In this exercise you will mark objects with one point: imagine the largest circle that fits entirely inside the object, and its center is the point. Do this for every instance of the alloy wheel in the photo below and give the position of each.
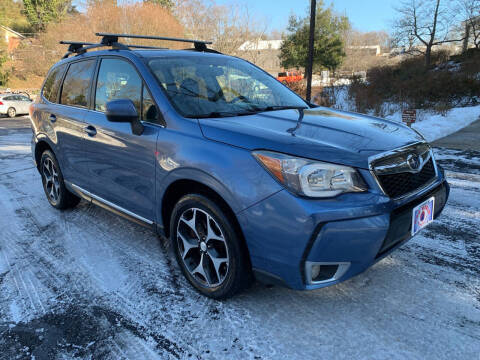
(202, 247)
(11, 112)
(52, 184)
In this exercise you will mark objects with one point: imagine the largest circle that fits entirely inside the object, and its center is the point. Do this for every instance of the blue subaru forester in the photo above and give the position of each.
(245, 178)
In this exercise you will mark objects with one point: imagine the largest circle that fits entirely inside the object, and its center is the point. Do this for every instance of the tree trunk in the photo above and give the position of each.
(428, 56)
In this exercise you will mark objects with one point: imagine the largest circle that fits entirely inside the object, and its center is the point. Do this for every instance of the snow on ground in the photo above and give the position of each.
(435, 126)
(86, 283)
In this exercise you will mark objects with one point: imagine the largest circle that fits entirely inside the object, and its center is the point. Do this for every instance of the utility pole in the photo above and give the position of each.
(309, 69)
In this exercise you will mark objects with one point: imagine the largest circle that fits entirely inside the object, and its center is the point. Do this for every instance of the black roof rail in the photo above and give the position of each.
(200, 45)
(109, 39)
(78, 47)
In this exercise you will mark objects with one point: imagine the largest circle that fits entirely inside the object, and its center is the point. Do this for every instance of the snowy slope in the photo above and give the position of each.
(434, 126)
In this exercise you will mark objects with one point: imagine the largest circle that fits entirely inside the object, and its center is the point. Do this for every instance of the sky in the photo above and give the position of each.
(365, 15)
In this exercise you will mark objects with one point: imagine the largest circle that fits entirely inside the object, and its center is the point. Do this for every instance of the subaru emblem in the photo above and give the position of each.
(413, 161)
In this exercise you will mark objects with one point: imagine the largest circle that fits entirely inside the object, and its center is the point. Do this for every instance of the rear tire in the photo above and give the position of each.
(53, 184)
(209, 251)
(11, 112)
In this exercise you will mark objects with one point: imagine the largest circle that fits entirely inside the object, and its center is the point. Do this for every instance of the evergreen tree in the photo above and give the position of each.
(11, 15)
(328, 45)
(164, 3)
(40, 12)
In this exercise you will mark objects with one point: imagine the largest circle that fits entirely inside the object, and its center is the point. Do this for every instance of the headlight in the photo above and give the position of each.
(310, 178)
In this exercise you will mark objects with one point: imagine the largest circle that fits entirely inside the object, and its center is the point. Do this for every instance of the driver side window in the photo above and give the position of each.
(118, 79)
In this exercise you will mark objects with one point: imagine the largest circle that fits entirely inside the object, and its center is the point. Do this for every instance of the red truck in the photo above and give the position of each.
(288, 77)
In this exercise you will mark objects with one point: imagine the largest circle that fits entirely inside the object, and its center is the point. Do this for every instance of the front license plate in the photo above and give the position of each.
(422, 215)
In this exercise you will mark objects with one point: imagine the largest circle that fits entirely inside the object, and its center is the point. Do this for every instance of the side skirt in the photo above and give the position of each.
(97, 200)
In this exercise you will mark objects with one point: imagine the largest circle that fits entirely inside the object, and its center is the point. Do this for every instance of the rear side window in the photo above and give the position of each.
(77, 83)
(52, 84)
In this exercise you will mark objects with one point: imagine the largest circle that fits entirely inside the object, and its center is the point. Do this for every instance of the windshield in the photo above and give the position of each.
(207, 86)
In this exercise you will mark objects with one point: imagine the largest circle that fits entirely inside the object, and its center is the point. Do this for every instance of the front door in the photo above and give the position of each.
(121, 165)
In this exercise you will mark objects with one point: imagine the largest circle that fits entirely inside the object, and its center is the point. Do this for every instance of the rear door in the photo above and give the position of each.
(15, 103)
(121, 165)
(9, 101)
(67, 118)
(25, 102)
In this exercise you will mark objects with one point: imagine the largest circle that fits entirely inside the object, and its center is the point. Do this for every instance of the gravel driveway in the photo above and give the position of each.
(88, 284)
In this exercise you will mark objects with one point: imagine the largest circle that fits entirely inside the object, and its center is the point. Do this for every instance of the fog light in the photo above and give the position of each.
(315, 271)
(318, 273)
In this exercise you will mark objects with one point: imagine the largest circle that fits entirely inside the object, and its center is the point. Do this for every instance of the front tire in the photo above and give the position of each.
(53, 184)
(209, 251)
(11, 112)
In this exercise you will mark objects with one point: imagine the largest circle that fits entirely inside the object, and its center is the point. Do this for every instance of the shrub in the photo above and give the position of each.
(4, 73)
(445, 85)
(300, 87)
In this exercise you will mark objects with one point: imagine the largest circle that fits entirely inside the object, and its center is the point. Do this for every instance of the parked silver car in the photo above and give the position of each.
(14, 104)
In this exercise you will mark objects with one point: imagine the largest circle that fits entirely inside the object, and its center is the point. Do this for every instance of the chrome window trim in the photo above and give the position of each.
(396, 151)
(112, 205)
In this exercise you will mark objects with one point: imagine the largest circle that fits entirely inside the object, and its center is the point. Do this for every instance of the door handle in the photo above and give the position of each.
(52, 118)
(90, 130)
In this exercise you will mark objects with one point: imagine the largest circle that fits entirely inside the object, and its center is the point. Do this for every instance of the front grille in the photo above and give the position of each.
(396, 185)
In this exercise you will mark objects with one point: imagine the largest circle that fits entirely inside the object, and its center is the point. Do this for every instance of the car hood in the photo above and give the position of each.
(319, 133)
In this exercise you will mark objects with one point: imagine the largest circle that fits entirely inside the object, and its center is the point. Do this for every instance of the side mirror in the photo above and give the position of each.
(123, 110)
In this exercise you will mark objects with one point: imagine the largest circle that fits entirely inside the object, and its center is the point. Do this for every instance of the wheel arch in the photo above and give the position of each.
(40, 147)
(180, 187)
(183, 186)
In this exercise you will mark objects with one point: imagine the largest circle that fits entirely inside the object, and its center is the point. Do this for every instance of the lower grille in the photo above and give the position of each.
(396, 185)
(401, 218)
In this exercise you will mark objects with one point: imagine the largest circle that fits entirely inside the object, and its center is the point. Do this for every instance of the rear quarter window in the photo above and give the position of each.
(52, 84)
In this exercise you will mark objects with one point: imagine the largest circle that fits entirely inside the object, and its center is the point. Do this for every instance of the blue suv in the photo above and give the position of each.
(245, 178)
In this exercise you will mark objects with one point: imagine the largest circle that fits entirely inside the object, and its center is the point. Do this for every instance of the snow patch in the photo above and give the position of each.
(435, 126)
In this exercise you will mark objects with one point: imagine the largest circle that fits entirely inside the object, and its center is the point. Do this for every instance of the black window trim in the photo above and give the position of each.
(89, 88)
(161, 120)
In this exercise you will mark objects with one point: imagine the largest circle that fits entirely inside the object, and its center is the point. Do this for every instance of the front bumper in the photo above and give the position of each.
(285, 233)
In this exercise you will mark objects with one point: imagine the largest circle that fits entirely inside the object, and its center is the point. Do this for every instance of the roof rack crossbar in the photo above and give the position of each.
(200, 45)
(109, 39)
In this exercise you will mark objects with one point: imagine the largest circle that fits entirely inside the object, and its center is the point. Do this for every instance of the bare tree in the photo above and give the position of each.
(228, 26)
(423, 24)
(470, 11)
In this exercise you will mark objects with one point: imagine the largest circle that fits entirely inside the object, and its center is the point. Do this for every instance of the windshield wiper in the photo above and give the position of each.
(281, 107)
(218, 114)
